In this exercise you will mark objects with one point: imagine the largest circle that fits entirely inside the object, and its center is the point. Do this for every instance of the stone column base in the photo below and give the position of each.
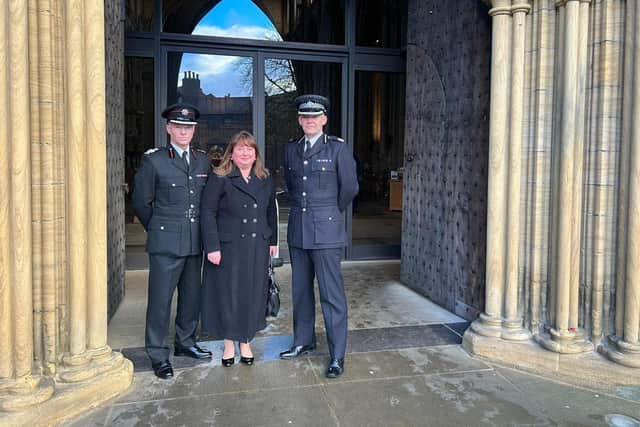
(589, 370)
(621, 352)
(70, 400)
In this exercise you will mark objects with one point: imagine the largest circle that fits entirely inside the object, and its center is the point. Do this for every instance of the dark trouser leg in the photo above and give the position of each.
(164, 274)
(188, 311)
(332, 298)
(303, 298)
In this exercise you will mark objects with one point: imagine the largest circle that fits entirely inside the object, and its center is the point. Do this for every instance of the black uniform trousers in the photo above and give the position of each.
(166, 272)
(325, 265)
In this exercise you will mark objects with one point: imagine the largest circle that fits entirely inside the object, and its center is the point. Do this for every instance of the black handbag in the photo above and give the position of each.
(273, 296)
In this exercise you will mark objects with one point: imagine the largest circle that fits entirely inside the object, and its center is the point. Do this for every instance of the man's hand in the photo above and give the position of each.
(214, 257)
(273, 250)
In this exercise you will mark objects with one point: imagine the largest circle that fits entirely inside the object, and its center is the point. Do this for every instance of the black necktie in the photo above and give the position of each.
(185, 159)
(307, 145)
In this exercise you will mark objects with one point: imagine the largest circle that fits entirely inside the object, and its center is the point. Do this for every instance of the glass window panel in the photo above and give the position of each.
(311, 21)
(138, 121)
(221, 87)
(379, 153)
(284, 80)
(381, 23)
(139, 15)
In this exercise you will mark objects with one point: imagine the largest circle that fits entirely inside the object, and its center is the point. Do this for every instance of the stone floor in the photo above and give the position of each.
(404, 367)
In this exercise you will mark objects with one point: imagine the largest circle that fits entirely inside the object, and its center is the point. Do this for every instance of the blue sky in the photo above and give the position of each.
(230, 18)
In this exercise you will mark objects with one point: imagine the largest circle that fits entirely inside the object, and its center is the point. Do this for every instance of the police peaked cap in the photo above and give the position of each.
(312, 105)
(182, 114)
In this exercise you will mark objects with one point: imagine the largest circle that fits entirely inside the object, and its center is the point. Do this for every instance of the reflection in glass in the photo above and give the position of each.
(221, 87)
(310, 21)
(386, 29)
(378, 150)
(138, 119)
(139, 15)
(284, 81)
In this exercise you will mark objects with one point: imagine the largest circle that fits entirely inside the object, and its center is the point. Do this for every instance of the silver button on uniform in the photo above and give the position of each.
(253, 235)
(244, 220)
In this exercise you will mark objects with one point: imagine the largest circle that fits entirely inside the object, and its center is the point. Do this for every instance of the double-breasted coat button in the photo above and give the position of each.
(192, 206)
(253, 235)
(255, 205)
(193, 220)
(304, 194)
(244, 206)
(304, 209)
(191, 191)
(254, 220)
(244, 220)
(243, 235)
(190, 177)
(162, 227)
(304, 178)
(306, 162)
(323, 169)
(173, 185)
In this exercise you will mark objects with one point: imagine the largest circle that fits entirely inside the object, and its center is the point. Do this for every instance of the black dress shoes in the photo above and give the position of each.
(195, 352)
(228, 362)
(335, 368)
(246, 360)
(297, 350)
(163, 370)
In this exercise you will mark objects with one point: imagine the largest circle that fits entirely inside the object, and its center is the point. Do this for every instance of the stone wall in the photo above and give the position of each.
(114, 46)
(446, 152)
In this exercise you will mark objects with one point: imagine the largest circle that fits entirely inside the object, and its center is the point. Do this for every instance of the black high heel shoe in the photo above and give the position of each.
(246, 360)
(228, 362)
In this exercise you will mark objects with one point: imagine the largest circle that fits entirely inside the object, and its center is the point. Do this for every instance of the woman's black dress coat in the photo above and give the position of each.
(239, 219)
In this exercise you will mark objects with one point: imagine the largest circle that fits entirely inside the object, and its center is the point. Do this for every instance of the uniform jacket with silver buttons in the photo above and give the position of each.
(233, 210)
(321, 184)
(166, 199)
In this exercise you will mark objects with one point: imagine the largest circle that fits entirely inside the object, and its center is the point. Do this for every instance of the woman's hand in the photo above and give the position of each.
(214, 257)
(273, 250)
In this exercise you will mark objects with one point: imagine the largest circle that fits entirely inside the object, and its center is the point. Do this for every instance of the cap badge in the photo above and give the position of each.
(184, 112)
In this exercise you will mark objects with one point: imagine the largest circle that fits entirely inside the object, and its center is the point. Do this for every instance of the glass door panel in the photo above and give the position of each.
(221, 87)
(139, 84)
(379, 151)
(284, 80)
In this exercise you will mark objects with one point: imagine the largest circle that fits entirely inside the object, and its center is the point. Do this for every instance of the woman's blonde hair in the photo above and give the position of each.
(226, 164)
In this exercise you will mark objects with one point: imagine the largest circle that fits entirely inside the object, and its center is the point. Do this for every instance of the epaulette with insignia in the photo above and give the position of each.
(296, 139)
(335, 138)
(151, 150)
(199, 150)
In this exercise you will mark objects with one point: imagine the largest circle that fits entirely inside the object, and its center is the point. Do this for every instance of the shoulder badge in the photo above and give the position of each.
(335, 138)
(296, 139)
(151, 150)
(199, 150)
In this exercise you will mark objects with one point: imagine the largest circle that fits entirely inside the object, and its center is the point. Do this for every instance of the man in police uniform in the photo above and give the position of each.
(321, 178)
(166, 199)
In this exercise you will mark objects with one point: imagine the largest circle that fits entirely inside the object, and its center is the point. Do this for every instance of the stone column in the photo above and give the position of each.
(502, 317)
(20, 387)
(565, 335)
(513, 322)
(52, 84)
(624, 346)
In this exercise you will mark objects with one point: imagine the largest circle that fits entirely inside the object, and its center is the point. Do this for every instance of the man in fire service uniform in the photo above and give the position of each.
(166, 199)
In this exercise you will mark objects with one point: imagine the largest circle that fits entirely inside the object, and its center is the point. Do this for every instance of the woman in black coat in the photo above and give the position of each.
(239, 234)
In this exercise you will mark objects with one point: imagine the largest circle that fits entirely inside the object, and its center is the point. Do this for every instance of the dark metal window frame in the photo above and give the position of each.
(352, 58)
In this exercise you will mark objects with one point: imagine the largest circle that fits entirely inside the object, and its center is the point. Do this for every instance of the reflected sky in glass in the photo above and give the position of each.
(231, 75)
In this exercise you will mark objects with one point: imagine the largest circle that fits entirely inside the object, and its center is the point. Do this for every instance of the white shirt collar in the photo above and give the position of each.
(312, 140)
(179, 150)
